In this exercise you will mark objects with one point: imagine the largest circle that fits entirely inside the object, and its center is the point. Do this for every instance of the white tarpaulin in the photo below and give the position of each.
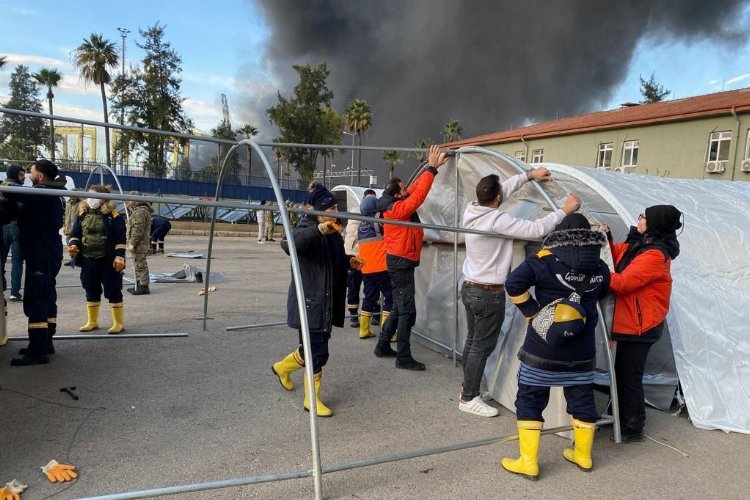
(711, 294)
(705, 343)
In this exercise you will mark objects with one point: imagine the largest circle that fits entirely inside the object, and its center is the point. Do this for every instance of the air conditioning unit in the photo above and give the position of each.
(714, 167)
(745, 165)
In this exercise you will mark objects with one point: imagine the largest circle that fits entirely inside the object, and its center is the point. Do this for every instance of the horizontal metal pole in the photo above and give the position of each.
(281, 476)
(211, 485)
(191, 137)
(254, 325)
(236, 204)
(84, 336)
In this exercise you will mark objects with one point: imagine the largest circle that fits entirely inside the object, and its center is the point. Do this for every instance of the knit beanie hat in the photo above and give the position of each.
(322, 199)
(663, 218)
(12, 173)
(573, 221)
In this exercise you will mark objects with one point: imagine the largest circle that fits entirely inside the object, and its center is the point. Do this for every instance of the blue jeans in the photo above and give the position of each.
(10, 243)
(485, 311)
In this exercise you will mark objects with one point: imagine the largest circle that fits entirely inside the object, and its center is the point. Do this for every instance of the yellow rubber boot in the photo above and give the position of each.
(92, 317)
(583, 433)
(4, 335)
(284, 368)
(323, 410)
(526, 465)
(365, 318)
(384, 316)
(117, 318)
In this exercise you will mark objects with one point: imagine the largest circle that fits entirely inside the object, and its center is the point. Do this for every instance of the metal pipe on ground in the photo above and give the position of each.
(108, 336)
(281, 476)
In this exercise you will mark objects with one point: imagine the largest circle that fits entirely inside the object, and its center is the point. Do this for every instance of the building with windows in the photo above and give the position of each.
(703, 137)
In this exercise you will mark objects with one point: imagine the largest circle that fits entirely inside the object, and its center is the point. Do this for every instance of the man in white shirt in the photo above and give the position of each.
(487, 264)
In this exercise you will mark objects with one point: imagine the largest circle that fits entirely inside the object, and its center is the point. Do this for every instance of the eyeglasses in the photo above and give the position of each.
(641, 217)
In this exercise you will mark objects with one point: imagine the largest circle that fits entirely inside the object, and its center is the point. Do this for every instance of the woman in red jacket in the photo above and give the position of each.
(642, 283)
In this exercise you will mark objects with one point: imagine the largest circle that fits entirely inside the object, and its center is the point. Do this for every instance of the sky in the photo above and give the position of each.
(223, 45)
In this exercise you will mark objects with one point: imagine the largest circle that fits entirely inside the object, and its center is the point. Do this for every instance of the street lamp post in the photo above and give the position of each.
(124, 34)
(352, 163)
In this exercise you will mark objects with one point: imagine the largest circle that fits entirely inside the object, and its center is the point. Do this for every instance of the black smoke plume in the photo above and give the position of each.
(491, 64)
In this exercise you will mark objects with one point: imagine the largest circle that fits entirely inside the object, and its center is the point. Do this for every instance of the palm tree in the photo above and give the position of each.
(391, 158)
(358, 118)
(95, 58)
(452, 131)
(423, 143)
(51, 79)
(249, 131)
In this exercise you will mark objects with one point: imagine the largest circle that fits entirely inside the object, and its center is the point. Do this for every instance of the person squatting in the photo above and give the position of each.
(568, 278)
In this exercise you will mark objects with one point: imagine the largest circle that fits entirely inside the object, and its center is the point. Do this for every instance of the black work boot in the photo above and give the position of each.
(161, 247)
(152, 248)
(353, 317)
(409, 364)
(383, 348)
(404, 359)
(139, 290)
(28, 360)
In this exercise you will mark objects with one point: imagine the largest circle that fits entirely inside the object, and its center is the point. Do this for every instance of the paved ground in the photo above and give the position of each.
(160, 412)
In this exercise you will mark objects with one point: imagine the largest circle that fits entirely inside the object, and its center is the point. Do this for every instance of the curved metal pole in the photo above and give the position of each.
(207, 277)
(317, 472)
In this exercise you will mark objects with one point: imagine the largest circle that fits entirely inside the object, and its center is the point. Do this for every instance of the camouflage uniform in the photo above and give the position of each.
(139, 233)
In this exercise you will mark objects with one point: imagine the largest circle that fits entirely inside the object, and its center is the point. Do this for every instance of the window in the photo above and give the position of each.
(604, 158)
(630, 153)
(537, 156)
(718, 146)
(520, 155)
(747, 145)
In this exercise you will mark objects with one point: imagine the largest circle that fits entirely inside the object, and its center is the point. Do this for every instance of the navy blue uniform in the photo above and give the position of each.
(98, 273)
(39, 222)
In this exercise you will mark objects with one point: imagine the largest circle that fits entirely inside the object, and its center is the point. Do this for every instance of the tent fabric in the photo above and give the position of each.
(710, 297)
(188, 274)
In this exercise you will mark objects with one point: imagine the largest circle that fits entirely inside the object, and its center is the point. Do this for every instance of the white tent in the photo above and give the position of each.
(705, 346)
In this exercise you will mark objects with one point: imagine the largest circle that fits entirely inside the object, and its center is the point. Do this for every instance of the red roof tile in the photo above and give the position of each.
(644, 114)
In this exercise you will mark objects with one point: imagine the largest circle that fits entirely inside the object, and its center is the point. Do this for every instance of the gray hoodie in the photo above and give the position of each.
(488, 259)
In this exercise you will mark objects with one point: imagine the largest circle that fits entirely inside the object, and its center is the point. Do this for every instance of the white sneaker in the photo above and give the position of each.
(261, 242)
(477, 407)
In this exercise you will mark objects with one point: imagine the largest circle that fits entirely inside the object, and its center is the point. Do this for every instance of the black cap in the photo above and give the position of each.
(46, 167)
(663, 218)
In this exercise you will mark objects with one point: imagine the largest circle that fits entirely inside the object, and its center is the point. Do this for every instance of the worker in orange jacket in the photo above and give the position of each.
(403, 248)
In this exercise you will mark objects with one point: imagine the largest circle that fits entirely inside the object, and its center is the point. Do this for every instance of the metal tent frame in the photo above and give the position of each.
(317, 469)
